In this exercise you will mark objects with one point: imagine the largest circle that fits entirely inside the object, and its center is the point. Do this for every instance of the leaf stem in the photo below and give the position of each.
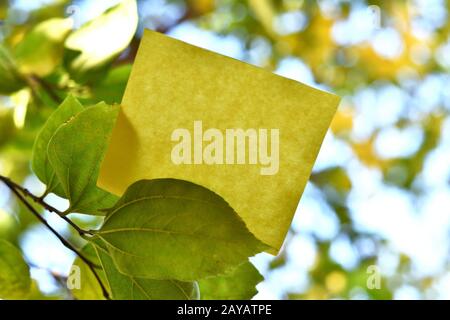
(13, 187)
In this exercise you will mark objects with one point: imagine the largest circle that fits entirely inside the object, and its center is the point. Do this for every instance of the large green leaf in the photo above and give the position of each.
(239, 284)
(174, 229)
(15, 278)
(104, 37)
(124, 287)
(76, 151)
(40, 163)
(41, 49)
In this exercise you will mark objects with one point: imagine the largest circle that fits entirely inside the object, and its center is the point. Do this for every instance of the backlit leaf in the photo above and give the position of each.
(76, 151)
(104, 37)
(41, 50)
(40, 163)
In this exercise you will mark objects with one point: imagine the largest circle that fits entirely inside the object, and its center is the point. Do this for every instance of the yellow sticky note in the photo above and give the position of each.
(241, 131)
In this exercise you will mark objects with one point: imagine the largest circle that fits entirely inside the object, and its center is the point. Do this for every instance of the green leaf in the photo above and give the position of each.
(7, 126)
(15, 278)
(124, 287)
(89, 288)
(174, 229)
(239, 284)
(76, 151)
(111, 88)
(40, 163)
(10, 80)
(40, 51)
(93, 40)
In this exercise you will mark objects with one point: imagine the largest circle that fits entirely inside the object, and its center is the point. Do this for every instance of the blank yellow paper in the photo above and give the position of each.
(174, 85)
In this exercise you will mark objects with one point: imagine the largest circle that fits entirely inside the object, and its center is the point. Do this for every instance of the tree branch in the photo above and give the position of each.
(12, 186)
(45, 205)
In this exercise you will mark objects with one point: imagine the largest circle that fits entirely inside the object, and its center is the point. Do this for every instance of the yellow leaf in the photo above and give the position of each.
(342, 121)
(176, 88)
(366, 153)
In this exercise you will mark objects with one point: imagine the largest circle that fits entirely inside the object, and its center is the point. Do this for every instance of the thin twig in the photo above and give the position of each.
(45, 205)
(59, 278)
(68, 245)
